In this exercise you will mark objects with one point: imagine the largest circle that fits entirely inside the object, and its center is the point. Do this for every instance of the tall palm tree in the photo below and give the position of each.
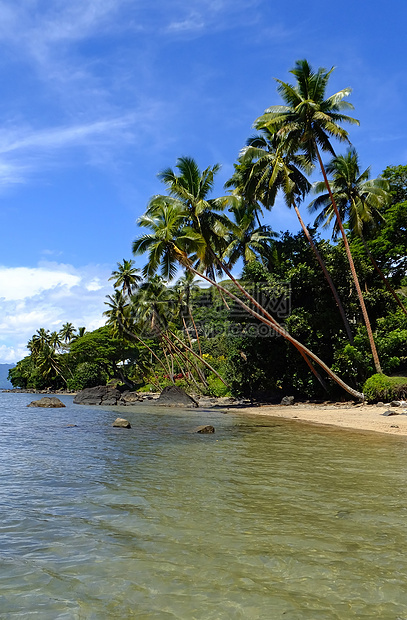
(126, 277)
(170, 243)
(264, 169)
(306, 124)
(359, 199)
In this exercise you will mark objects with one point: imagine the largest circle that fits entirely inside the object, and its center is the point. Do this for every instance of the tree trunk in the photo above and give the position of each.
(326, 274)
(280, 330)
(352, 267)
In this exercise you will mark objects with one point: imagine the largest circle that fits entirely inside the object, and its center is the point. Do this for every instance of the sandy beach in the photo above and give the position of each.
(351, 416)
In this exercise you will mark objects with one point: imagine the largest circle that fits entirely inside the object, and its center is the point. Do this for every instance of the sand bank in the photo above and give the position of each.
(351, 416)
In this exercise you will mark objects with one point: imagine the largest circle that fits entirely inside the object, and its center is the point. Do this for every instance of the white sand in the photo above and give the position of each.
(352, 416)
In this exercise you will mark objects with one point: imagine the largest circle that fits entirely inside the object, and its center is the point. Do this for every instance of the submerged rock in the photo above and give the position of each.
(47, 402)
(204, 429)
(121, 423)
(173, 396)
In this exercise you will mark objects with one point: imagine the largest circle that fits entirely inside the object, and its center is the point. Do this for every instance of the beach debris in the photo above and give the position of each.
(207, 428)
(287, 400)
(173, 396)
(121, 423)
(394, 426)
(48, 402)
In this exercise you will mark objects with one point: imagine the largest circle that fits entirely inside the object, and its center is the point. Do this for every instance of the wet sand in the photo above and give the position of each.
(351, 416)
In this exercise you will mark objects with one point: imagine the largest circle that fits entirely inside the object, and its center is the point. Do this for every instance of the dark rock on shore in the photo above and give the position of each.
(131, 397)
(287, 400)
(173, 396)
(99, 395)
(47, 402)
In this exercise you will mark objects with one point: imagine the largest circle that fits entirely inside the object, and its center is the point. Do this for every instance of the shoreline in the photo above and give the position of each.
(340, 415)
(359, 417)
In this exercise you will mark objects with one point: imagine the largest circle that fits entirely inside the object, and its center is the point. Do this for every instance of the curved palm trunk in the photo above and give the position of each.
(191, 350)
(383, 277)
(199, 373)
(138, 339)
(326, 274)
(352, 267)
(189, 364)
(272, 320)
(280, 330)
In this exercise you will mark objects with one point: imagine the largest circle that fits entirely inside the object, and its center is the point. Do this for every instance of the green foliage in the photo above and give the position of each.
(383, 388)
(216, 387)
(87, 374)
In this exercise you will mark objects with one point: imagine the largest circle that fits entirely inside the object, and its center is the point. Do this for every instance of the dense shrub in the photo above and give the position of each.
(383, 388)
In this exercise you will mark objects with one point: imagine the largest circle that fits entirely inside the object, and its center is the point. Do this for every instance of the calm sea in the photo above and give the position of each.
(265, 519)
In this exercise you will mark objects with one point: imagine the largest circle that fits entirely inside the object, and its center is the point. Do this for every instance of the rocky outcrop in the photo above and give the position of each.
(99, 395)
(121, 423)
(173, 396)
(131, 397)
(49, 402)
(287, 400)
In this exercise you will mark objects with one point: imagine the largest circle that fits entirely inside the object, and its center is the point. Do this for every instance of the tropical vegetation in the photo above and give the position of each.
(307, 315)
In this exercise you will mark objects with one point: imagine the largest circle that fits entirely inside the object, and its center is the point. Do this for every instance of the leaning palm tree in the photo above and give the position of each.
(360, 201)
(263, 169)
(171, 242)
(126, 277)
(306, 124)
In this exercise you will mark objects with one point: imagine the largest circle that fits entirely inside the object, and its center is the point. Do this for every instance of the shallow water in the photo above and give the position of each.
(265, 519)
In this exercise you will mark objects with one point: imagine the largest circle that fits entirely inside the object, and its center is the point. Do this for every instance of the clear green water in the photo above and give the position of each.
(265, 519)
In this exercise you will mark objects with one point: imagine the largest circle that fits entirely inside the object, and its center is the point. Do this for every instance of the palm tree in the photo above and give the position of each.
(264, 169)
(67, 332)
(359, 201)
(246, 241)
(126, 277)
(55, 340)
(170, 242)
(41, 338)
(306, 124)
(121, 320)
(188, 190)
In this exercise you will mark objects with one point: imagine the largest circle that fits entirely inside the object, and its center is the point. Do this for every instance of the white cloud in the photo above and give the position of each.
(23, 282)
(48, 296)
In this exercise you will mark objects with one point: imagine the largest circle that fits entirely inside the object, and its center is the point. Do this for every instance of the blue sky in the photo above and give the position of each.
(99, 95)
